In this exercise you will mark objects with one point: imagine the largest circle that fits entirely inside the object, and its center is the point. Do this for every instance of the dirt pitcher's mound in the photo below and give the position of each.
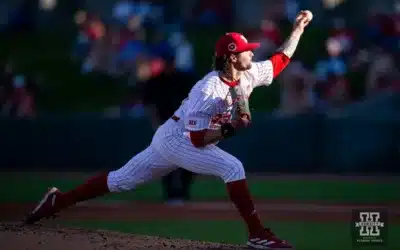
(20, 237)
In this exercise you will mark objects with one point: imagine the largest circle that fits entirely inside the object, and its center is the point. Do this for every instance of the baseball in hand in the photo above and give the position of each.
(308, 14)
(303, 18)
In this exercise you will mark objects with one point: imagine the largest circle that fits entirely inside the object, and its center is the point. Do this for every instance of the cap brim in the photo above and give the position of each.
(251, 46)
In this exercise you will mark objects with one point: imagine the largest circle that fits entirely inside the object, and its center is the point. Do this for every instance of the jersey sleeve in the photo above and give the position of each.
(264, 72)
(199, 112)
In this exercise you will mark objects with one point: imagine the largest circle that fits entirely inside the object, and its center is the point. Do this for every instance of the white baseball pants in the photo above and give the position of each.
(170, 148)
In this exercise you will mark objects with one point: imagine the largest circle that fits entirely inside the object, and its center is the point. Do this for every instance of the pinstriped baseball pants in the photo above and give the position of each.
(170, 148)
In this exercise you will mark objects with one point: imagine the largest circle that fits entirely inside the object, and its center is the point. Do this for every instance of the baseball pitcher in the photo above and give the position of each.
(215, 109)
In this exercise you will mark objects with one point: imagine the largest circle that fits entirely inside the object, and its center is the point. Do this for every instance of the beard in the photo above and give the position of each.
(241, 67)
(249, 66)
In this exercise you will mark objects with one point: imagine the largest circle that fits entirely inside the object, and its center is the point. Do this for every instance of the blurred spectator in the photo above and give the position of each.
(134, 44)
(126, 48)
(148, 68)
(184, 54)
(338, 93)
(330, 73)
(123, 10)
(130, 46)
(95, 31)
(382, 74)
(292, 9)
(331, 4)
(360, 60)
(83, 39)
(134, 24)
(270, 38)
(47, 5)
(343, 34)
(153, 12)
(21, 103)
(157, 66)
(334, 64)
(158, 44)
(144, 12)
(211, 12)
(162, 95)
(297, 90)
(383, 30)
(18, 93)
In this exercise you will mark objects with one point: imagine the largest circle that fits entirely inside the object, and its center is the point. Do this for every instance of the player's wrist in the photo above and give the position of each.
(227, 130)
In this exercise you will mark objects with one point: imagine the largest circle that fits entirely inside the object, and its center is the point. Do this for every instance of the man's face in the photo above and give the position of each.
(242, 61)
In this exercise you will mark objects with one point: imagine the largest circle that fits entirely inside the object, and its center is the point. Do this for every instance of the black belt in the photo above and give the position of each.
(175, 118)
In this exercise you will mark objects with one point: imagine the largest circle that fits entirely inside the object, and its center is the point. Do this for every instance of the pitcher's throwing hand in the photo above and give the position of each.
(302, 20)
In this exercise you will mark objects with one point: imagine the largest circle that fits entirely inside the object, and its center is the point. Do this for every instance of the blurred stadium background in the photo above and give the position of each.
(73, 74)
(71, 99)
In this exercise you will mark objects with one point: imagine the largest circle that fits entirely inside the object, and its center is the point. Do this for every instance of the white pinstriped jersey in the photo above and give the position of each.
(209, 100)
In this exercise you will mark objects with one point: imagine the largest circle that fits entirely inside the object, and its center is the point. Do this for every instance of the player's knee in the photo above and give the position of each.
(118, 183)
(234, 171)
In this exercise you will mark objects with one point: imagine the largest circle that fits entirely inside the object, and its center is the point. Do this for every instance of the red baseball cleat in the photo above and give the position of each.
(267, 241)
(46, 207)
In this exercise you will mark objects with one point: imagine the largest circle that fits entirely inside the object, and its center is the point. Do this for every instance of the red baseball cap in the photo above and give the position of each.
(233, 43)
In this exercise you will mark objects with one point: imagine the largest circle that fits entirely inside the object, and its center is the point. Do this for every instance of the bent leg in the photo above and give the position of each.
(212, 160)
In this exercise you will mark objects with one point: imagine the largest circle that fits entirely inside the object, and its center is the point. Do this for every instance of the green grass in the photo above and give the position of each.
(303, 235)
(29, 187)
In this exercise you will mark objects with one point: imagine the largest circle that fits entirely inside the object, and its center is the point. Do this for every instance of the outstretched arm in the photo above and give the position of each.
(264, 72)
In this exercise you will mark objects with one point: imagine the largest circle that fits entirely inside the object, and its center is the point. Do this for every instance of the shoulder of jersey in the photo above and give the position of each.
(249, 74)
(209, 83)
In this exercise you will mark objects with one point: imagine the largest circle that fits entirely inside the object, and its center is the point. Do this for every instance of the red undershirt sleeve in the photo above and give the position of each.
(279, 62)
